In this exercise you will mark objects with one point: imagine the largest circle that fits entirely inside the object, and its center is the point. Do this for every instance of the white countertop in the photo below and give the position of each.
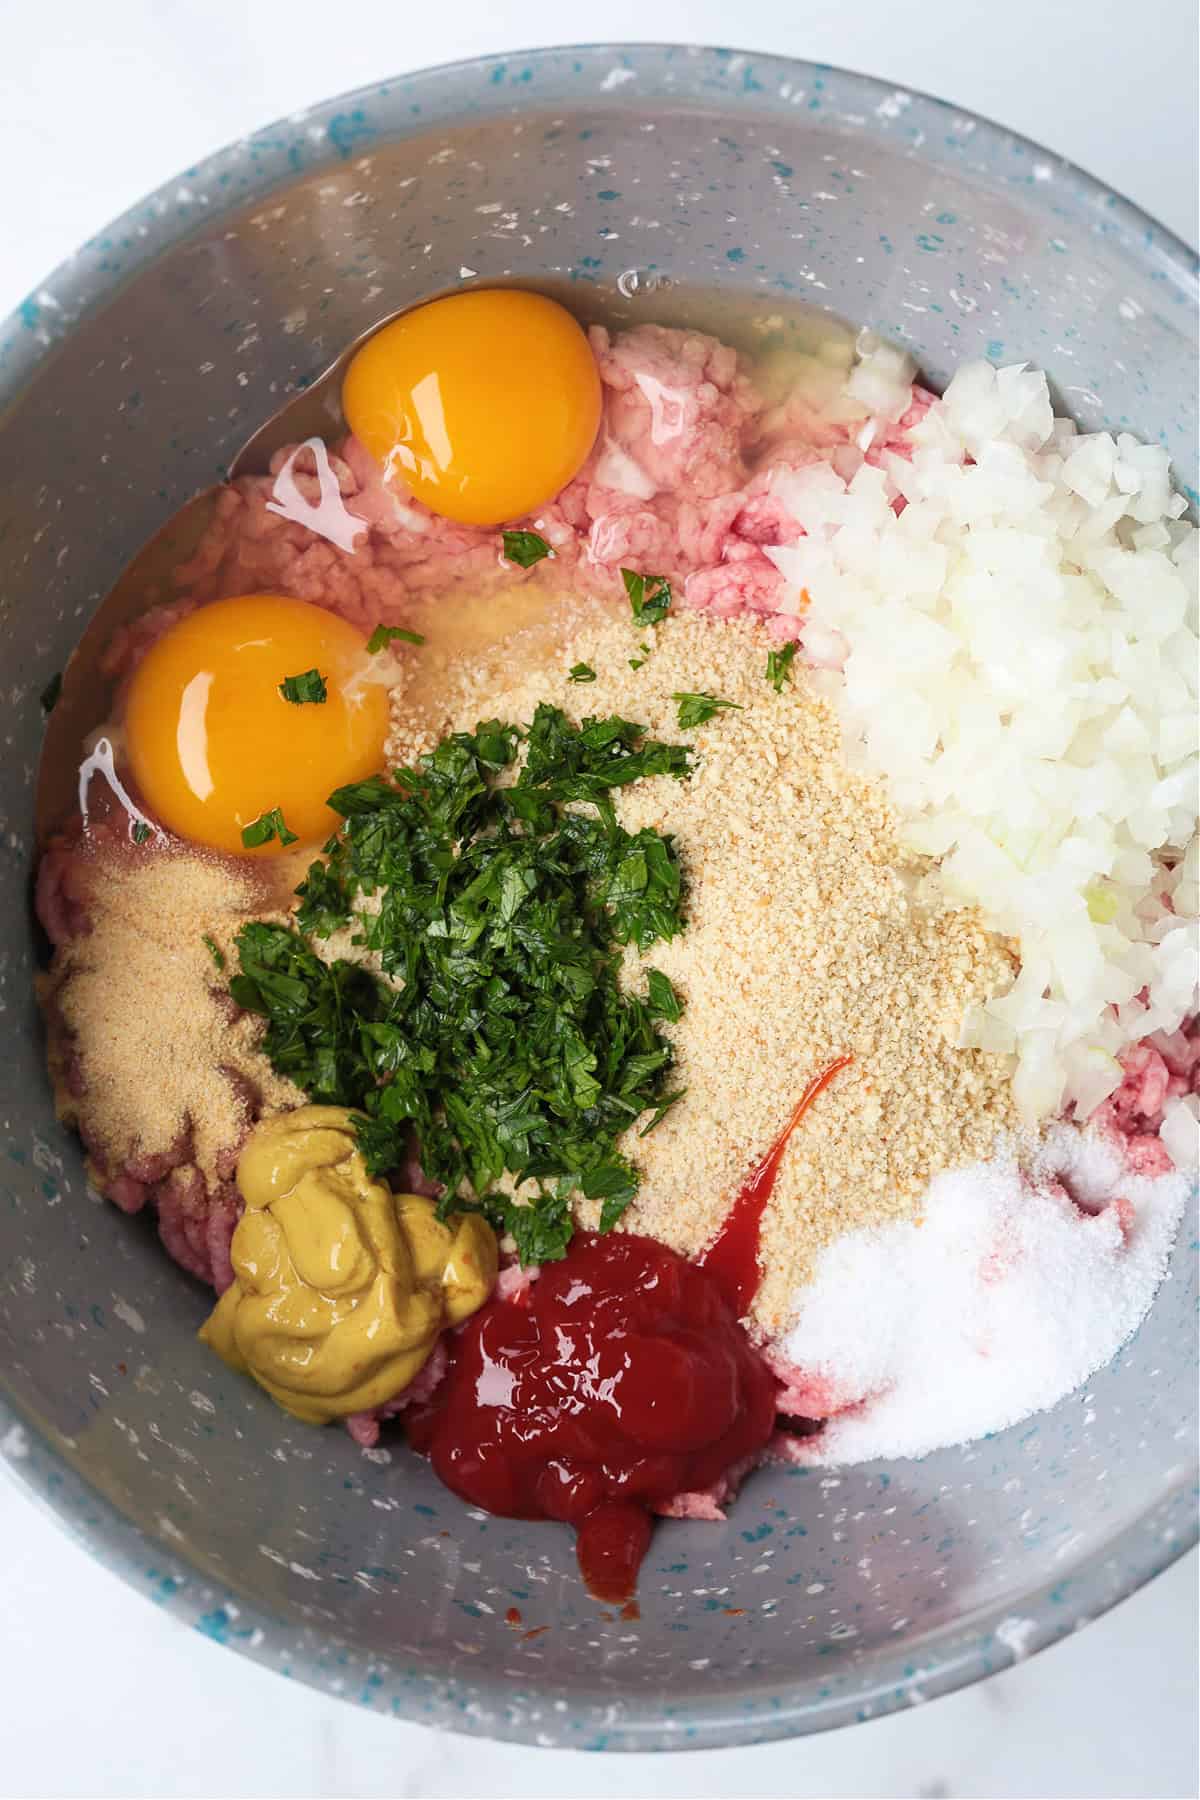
(99, 1693)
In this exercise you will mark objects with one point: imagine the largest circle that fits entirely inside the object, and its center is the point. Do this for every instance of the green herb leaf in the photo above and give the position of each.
(383, 635)
(498, 1037)
(306, 689)
(51, 691)
(324, 906)
(542, 1230)
(649, 596)
(661, 1110)
(525, 548)
(140, 832)
(267, 826)
(580, 672)
(779, 665)
(214, 950)
(664, 1001)
(698, 709)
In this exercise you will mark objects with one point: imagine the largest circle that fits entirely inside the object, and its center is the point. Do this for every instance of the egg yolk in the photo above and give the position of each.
(486, 403)
(214, 744)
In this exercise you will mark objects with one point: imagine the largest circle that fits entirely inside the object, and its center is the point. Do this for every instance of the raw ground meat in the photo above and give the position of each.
(709, 1503)
(679, 485)
(196, 1224)
(514, 1282)
(60, 891)
(1159, 1069)
(364, 1426)
(196, 1219)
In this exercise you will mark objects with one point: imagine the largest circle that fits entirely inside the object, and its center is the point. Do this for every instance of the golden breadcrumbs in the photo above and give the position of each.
(804, 942)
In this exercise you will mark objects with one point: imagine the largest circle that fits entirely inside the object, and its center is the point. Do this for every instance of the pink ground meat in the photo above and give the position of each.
(679, 485)
(59, 897)
(681, 405)
(364, 1426)
(1157, 1070)
(709, 1503)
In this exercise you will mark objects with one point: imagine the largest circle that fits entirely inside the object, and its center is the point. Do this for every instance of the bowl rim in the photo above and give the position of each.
(945, 1658)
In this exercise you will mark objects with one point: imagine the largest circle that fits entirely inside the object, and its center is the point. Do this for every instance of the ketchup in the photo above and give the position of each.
(619, 1380)
(733, 1254)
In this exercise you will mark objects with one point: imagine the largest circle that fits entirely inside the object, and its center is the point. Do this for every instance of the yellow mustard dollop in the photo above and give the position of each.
(340, 1286)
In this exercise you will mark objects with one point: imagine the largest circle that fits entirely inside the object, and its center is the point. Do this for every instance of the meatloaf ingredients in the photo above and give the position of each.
(341, 1288)
(619, 1381)
(805, 941)
(1008, 1292)
(160, 1075)
(498, 909)
(680, 483)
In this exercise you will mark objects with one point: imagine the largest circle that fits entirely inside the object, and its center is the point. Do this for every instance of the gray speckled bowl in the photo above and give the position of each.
(125, 383)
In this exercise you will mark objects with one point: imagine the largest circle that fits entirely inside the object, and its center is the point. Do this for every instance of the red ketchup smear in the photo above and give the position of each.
(733, 1254)
(622, 1379)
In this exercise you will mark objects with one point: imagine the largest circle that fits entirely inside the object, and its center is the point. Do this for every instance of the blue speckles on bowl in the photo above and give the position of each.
(828, 1597)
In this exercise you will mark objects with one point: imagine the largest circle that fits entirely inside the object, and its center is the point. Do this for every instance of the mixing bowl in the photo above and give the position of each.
(128, 381)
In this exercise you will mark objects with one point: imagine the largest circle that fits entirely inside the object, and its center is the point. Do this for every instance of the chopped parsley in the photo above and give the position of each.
(636, 662)
(779, 665)
(698, 709)
(307, 689)
(140, 832)
(543, 1231)
(581, 671)
(214, 950)
(525, 548)
(267, 826)
(661, 1110)
(51, 691)
(664, 1001)
(503, 1040)
(649, 596)
(383, 635)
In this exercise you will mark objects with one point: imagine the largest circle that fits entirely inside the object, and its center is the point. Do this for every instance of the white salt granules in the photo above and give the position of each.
(1006, 1296)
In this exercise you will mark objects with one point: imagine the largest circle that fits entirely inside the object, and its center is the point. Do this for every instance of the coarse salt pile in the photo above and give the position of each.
(1006, 1295)
(804, 942)
(1013, 614)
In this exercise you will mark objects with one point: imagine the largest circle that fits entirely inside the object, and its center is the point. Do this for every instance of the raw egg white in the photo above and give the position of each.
(486, 403)
(213, 744)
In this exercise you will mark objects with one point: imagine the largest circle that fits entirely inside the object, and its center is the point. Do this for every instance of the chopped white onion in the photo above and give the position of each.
(1013, 609)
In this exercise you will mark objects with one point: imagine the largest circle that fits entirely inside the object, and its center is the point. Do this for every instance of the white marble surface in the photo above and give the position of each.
(101, 1694)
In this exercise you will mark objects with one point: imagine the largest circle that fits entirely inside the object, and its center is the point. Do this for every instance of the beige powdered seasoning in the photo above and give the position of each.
(804, 942)
(161, 1049)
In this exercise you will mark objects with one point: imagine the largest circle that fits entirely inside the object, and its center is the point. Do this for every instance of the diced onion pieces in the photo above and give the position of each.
(1012, 611)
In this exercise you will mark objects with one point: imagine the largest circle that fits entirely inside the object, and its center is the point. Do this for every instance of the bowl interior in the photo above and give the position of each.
(128, 383)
